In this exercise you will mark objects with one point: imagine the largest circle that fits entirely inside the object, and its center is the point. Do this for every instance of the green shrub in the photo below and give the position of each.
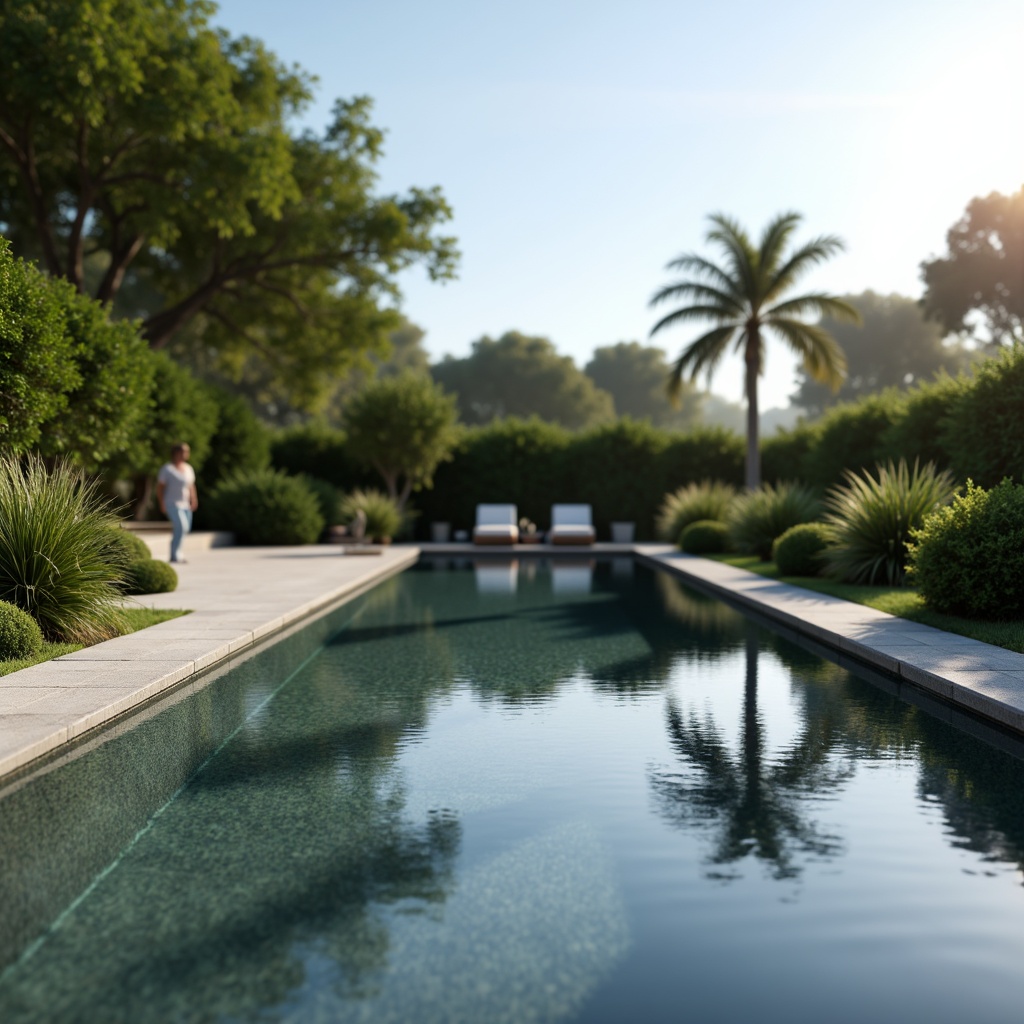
(968, 557)
(383, 520)
(55, 551)
(317, 450)
(799, 551)
(922, 431)
(705, 500)
(705, 537)
(148, 576)
(125, 547)
(850, 437)
(783, 454)
(240, 442)
(758, 517)
(984, 434)
(328, 498)
(266, 507)
(871, 519)
(20, 635)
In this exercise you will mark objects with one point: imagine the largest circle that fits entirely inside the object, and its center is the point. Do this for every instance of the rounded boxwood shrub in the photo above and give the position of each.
(126, 547)
(798, 552)
(758, 517)
(148, 576)
(20, 635)
(968, 557)
(704, 537)
(266, 507)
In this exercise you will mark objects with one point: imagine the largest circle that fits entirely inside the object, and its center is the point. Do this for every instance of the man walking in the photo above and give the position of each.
(178, 497)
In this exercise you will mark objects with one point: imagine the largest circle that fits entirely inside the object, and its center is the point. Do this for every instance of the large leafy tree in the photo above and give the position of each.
(146, 157)
(746, 301)
(520, 375)
(634, 375)
(897, 347)
(977, 287)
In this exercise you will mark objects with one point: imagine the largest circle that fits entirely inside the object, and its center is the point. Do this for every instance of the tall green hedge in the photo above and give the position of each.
(622, 469)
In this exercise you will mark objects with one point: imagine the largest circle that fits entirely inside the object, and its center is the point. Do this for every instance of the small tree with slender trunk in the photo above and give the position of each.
(404, 427)
(745, 301)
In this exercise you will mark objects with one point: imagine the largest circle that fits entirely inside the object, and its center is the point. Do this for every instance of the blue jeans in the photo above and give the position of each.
(181, 523)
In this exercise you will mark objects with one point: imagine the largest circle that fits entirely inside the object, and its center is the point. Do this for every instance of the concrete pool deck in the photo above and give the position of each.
(239, 596)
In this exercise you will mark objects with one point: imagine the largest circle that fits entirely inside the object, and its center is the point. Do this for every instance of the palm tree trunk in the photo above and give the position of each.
(753, 361)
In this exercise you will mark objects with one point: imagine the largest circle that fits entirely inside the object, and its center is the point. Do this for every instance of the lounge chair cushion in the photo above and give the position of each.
(496, 524)
(571, 524)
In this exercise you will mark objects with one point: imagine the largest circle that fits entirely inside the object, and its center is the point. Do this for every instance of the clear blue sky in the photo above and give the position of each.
(583, 144)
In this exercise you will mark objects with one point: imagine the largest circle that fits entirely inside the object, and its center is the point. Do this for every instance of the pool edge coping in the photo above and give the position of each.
(929, 659)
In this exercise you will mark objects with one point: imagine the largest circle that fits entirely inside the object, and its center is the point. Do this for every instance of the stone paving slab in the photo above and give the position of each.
(980, 677)
(236, 596)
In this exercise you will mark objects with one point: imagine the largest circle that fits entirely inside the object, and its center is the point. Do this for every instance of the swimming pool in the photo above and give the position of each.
(522, 792)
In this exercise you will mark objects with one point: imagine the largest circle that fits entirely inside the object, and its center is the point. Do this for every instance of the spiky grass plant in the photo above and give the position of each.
(56, 558)
(708, 499)
(871, 518)
(758, 517)
(383, 518)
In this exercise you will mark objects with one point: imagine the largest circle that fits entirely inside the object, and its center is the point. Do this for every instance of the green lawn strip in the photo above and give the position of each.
(905, 602)
(135, 619)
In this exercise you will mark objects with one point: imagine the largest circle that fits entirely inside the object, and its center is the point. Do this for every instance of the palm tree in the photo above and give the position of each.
(744, 299)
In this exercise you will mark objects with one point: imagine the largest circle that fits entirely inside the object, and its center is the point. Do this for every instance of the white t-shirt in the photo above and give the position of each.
(178, 484)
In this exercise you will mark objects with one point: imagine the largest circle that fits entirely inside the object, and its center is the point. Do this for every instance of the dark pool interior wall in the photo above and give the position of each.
(348, 790)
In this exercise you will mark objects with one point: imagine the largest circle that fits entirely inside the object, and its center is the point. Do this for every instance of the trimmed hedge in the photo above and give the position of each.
(799, 551)
(148, 576)
(985, 431)
(622, 469)
(968, 557)
(20, 635)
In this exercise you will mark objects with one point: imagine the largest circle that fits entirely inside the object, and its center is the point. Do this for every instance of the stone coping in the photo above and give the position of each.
(237, 597)
(974, 676)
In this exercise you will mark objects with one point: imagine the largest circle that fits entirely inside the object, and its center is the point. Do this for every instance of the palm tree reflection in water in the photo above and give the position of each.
(756, 806)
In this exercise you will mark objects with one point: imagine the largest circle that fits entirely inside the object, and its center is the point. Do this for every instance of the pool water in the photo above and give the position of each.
(523, 792)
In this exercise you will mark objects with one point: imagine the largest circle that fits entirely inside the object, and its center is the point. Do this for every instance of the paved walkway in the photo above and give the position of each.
(237, 596)
(985, 679)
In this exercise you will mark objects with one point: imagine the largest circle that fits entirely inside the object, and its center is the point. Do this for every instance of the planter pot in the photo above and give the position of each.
(622, 533)
(440, 533)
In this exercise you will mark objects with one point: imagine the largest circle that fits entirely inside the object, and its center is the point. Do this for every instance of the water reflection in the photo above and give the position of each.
(753, 806)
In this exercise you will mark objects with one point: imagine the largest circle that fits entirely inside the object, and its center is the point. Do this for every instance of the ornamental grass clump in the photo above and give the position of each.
(383, 518)
(968, 557)
(707, 500)
(758, 517)
(56, 559)
(872, 517)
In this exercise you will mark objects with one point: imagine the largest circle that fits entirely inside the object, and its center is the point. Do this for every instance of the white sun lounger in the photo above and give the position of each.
(571, 524)
(496, 524)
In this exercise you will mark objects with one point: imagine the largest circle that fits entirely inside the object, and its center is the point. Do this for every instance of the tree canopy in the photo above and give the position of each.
(746, 301)
(520, 375)
(977, 287)
(147, 158)
(404, 427)
(896, 347)
(636, 376)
